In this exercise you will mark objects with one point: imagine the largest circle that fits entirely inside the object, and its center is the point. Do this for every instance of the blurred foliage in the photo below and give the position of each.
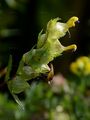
(43, 102)
(7, 108)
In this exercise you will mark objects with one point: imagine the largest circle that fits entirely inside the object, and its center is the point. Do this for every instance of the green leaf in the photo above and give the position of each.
(17, 85)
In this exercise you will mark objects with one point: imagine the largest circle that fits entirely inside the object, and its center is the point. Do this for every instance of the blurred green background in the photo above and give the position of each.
(20, 23)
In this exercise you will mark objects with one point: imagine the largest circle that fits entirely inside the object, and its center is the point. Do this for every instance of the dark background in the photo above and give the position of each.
(21, 23)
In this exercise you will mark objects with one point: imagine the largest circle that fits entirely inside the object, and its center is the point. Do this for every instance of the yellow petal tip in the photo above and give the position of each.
(71, 21)
(70, 47)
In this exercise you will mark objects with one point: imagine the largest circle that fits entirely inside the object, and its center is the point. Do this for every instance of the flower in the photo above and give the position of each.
(56, 30)
(81, 66)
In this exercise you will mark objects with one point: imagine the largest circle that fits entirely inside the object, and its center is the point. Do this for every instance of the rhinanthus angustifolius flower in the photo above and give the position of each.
(48, 45)
(81, 66)
(35, 62)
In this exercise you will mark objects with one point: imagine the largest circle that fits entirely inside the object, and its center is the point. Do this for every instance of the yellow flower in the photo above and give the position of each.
(81, 66)
(85, 59)
(87, 69)
(73, 68)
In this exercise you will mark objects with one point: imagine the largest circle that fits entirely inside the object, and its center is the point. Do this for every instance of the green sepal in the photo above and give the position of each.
(17, 85)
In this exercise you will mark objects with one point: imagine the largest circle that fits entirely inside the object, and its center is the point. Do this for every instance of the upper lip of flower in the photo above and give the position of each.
(71, 21)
